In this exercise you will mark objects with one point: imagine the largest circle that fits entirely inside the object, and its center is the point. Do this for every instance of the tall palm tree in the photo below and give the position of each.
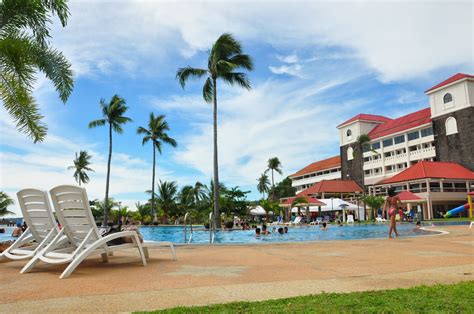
(274, 164)
(25, 50)
(5, 201)
(167, 191)
(81, 165)
(113, 113)
(225, 58)
(157, 133)
(263, 185)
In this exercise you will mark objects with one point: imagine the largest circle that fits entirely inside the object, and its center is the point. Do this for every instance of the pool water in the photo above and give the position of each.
(7, 235)
(295, 234)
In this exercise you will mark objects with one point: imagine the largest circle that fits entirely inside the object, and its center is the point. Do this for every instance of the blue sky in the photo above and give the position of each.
(316, 64)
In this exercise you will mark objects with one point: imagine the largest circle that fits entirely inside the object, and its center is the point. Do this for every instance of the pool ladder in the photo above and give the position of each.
(212, 228)
(186, 229)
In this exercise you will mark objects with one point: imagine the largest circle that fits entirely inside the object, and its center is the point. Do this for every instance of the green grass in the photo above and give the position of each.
(456, 298)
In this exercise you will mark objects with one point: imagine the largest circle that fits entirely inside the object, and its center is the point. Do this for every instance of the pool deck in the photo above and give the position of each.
(225, 273)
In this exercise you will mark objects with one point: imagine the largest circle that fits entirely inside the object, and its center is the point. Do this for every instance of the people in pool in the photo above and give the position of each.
(417, 226)
(324, 226)
(391, 202)
(264, 230)
(285, 229)
(257, 232)
(280, 230)
(17, 231)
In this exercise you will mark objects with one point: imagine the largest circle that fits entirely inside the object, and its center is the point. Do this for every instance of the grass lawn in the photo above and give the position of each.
(456, 298)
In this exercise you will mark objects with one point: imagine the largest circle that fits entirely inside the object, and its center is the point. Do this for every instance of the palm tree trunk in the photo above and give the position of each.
(153, 212)
(106, 209)
(217, 220)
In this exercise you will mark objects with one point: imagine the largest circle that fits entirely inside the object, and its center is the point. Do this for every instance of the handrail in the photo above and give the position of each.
(212, 228)
(186, 229)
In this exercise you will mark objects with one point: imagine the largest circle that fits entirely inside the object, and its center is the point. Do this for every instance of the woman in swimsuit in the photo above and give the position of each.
(391, 202)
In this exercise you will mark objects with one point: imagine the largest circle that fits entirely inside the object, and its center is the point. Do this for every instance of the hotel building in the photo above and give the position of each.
(442, 132)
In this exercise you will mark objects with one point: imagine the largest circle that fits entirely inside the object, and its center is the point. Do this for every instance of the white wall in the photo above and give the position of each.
(463, 97)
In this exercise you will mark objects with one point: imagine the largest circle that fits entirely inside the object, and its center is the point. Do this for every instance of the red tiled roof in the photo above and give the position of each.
(431, 169)
(406, 122)
(366, 117)
(408, 196)
(332, 186)
(324, 164)
(450, 80)
(311, 200)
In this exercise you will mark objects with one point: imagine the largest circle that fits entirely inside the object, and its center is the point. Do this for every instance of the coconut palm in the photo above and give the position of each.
(274, 164)
(5, 201)
(167, 191)
(24, 51)
(81, 165)
(263, 185)
(157, 133)
(113, 113)
(225, 58)
(374, 202)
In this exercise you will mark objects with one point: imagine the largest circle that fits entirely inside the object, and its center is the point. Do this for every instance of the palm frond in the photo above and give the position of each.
(208, 90)
(184, 74)
(96, 123)
(237, 78)
(21, 106)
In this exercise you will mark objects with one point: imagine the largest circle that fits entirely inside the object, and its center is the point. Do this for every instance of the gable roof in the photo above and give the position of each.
(324, 164)
(311, 200)
(407, 196)
(431, 169)
(452, 79)
(403, 123)
(332, 186)
(366, 117)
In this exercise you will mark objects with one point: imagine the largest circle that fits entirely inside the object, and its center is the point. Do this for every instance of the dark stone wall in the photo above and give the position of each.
(458, 147)
(353, 167)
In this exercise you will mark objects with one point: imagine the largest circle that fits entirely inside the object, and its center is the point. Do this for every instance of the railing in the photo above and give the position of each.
(212, 228)
(186, 229)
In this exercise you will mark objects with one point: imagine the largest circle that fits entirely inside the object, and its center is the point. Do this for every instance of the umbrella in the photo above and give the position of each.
(258, 211)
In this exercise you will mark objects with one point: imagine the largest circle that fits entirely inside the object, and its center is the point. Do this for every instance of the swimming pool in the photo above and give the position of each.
(7, 235)
(295, 234)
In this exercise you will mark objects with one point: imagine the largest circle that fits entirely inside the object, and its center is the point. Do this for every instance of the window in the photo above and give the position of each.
(350, 153)
(451, 126)
(399, 139)
(413, 135)
(435, 187)
(388, 142)
(366, 148)
(447, 98)
(427, 132)
(349, 134)
(376, 146)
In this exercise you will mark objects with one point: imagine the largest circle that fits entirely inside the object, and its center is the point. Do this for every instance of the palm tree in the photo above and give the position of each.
(274, 164)
(81, 165)
(263, 185)
(156, 132)
(167, 197)
(113, 113)
(374, 202)
(5, 201)
(24, 51)
(225, 57)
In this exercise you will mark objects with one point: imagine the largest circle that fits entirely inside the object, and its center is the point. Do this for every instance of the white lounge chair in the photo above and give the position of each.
(472, 224)
(350, 219)
(42, 227)
(78, 225)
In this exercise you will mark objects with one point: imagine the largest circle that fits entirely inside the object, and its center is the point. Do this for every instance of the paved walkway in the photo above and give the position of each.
(217, 274)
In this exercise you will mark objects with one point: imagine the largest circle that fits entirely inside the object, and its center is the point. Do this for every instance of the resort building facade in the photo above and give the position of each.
(442, 132)
(327, 169)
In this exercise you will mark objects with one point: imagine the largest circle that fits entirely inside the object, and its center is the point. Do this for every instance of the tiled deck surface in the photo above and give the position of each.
(218, 274)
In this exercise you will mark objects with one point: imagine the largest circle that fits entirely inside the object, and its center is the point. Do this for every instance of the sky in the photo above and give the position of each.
(317, 63)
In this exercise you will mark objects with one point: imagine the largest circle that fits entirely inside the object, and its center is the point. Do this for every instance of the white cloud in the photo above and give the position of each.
(293, 58)
(273, 119)
(294, 69)
(400, 40)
